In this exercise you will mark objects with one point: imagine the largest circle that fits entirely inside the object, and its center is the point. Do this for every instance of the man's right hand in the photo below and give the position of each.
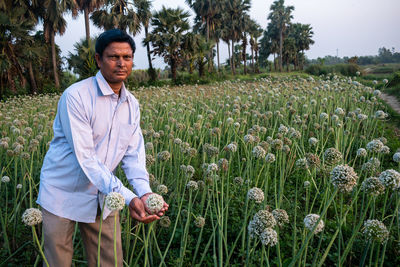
(138, 212)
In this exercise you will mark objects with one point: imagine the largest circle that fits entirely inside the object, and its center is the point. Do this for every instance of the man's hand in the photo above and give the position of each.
(138, 212)
(161, 212)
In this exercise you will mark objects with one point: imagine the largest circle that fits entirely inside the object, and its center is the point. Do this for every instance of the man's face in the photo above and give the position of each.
(116, 62)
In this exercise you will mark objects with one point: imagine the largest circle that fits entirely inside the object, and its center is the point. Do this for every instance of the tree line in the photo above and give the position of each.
(385, 55)
(25, 60)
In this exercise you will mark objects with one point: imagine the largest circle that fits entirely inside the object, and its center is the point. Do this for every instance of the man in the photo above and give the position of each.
(97, 126)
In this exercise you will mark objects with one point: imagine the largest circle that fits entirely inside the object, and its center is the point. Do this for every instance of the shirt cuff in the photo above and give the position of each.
(142, 188)
(127, 194)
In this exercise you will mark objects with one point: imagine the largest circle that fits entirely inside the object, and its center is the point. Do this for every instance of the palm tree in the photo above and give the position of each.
(117, 14)
(234, 11)
(88, 6)
(208, 13)
(82, 62)
(255, 32)
(143, 8)
(53, 23)
(280, 16)
(169, 28)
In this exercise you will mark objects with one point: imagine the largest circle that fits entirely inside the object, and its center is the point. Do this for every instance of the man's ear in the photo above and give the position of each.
(97, 58)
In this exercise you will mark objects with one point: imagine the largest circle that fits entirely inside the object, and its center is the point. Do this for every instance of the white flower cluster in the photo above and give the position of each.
(371, 165)
(344, 178)
(32, 216)
(283, 129)
(310, 220)
(5, 179)
(162, 189)
(232, 147)
(332, 156)
(199, 222)
(280, 216)
(375, 145)
(269, 237)
(255, 194)
(396, 157)
(269, 158)
(165, 221)
(375, 230)
(258, 152)
(192, 185)
(390, 179)
(163, 155)
(154, 203)
(361, 152)
(373, 186)
(261, 226)
(115, 201)
(313, 141)
(381, 115)
(302, 164)
(339, 111)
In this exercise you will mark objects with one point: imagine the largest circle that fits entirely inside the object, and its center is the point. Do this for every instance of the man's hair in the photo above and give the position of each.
(114, 35)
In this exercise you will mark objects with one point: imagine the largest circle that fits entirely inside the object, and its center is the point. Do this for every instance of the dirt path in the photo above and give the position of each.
(391, 101)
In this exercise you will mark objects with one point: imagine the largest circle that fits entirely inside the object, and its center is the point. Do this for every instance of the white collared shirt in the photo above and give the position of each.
(94, 130)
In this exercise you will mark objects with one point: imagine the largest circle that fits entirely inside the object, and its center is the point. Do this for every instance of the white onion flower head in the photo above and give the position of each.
(232, 147)
(310, 220)
(361, 152)
(269, 237)
(199, 222)
(154, 203)
(19, 186)
(377, 92)
(339, 111)
(375, 230)
(162, 189)
(380, 114)
(261, 220)
(332, 155)
(255, 194)
(373, 186)
(192, 185)
(384, 150)
(344, 178)
(32, 216)
(302, 164)
(269, 158)
(115, 201)
(313, 141)
(390, 179)
(280, 216)
(5, 179)
(165, 221)
(375, 145)
(258, 152)
(323, 116)
(396, 157)
(283, 129)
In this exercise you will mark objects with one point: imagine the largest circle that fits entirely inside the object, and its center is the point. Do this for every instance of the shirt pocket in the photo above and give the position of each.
(125, 135)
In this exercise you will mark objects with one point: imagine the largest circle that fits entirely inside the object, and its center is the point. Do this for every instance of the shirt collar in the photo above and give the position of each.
(106, 89)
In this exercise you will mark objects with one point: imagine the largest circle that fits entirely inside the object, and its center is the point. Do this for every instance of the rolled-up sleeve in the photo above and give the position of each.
(134, 160)
(79, 134)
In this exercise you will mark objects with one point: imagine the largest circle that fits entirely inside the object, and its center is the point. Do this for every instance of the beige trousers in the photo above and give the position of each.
(58, 247)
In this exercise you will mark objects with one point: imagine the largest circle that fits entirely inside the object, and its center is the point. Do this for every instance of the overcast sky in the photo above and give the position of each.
(341, 27)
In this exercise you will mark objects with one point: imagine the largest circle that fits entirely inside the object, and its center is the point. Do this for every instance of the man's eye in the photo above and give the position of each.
(128, 57)
(113, 57)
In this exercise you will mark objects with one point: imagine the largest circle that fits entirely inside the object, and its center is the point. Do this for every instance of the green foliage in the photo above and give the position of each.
(83, 62)
(344, 69)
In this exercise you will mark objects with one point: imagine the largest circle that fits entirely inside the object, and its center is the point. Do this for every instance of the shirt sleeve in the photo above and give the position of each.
(134, 160)
(79, 134)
